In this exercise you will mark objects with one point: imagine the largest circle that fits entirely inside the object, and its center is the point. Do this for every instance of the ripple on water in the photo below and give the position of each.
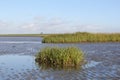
(103, 62)
(91, 64)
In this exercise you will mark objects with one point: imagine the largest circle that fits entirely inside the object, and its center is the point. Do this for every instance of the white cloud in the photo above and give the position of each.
(48, 25)
(30, 26)
(89, 28)
(3, 24)
(4, 27)
(57, 25)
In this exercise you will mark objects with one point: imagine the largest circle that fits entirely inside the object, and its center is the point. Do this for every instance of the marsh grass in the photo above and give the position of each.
(60, 57)
(82, 37)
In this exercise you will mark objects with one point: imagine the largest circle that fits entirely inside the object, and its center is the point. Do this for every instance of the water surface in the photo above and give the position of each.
(17, 61)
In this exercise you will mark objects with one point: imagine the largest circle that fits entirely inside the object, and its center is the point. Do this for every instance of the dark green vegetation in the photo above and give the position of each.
(60, 57)
(82, 37)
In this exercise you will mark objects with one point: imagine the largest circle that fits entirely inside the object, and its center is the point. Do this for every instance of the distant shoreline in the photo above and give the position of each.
(78, 37)
(23, 35)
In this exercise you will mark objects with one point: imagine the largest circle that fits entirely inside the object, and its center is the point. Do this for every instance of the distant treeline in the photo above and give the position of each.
(82, 37)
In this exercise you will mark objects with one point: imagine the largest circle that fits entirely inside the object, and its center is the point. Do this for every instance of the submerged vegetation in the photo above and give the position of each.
(60, 57)
(82, 37)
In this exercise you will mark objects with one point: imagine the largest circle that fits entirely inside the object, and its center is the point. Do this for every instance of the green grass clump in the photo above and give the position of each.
(82, 37)
(60, 57)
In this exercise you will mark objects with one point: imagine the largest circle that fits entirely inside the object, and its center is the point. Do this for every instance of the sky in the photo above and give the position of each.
(59, 16)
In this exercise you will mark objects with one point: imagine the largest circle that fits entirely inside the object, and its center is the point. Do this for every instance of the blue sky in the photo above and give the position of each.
(59, 16)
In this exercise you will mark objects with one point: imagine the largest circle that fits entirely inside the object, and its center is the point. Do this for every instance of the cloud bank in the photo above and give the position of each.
(47, 25)
(56, 25)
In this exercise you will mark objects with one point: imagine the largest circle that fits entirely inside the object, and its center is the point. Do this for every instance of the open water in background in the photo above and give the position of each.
(17, 62)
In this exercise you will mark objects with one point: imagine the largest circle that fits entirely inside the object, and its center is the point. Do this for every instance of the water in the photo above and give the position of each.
(17, 61)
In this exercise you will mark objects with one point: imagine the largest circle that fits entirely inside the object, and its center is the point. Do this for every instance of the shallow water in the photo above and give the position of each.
(17, 61)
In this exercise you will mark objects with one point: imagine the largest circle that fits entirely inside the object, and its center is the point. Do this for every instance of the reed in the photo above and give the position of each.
(82, 37)
(60, 57)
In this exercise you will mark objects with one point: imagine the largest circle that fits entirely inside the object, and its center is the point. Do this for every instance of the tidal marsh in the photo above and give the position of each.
(82, 37)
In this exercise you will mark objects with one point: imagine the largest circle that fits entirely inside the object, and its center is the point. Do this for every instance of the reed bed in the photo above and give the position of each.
(60, 57)
(82, 37)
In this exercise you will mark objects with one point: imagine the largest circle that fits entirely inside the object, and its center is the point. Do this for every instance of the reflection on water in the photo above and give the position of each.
(91, 64)
(54, 67)
(14, 66)
(23, 67)
(17, 61)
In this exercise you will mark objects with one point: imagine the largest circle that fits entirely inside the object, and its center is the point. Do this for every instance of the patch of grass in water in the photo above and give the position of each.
(60, 57)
